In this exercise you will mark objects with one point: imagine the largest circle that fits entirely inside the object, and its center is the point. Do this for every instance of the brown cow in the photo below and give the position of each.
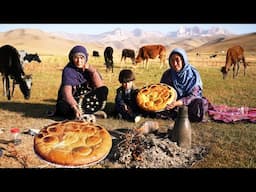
(151, 52)
(234, 56)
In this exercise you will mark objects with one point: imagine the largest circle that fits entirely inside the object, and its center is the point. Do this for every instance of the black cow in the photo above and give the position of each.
(10, 66)
(28, 57)
(108, 56)
(213, 56)
(95, 54)
(32, 57)
(128, 53)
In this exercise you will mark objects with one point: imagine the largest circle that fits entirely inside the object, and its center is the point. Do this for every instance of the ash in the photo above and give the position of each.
(153, 150)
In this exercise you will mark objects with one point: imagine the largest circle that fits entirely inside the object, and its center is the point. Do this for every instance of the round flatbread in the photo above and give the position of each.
(73, 143)
(155, 97)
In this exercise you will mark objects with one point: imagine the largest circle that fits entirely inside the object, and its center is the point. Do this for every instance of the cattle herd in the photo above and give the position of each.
(12, 63)
(145, 53)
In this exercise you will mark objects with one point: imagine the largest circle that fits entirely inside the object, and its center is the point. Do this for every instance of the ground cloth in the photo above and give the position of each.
(232, 114)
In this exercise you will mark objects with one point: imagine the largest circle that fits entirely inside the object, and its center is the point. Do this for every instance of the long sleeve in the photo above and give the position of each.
(67, 95)
(119, 97)
(96, 77)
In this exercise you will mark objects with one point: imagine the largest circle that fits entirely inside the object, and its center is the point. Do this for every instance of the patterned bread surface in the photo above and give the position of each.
(155, 97)
(73, 143)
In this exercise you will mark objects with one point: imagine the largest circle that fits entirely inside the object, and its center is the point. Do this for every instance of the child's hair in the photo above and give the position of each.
(126, 75)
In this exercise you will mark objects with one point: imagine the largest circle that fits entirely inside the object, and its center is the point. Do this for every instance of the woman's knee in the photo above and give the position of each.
(196, 110)
(102, 93)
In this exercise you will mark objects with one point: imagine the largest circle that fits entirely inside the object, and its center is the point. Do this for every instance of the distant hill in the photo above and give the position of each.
(33, 40)
(248, 42)
(44, 43)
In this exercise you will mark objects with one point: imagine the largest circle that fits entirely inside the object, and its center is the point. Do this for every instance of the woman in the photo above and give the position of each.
(187, 82)
(82, 90)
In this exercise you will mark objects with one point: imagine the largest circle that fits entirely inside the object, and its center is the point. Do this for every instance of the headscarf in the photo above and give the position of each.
(187, 78)
(78, 50)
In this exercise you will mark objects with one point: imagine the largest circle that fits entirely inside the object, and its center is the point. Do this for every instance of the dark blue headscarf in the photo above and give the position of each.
(187, 78)
(78, 49)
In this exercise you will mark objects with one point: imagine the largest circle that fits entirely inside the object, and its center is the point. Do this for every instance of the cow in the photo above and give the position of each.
(128, 53)
(234, 56)
(151, 52)
(108, 56)
(10, 67)
(213, 56)
(32, 57)
(28, 57)
(95, 53)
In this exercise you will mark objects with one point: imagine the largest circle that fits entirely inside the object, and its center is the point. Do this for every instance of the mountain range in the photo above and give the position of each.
(120, 39)
(59, 43)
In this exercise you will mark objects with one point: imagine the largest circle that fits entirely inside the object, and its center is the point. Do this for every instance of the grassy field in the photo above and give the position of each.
(230, 145)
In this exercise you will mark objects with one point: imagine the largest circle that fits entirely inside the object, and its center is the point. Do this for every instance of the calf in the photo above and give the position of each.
(234, 56)
(108, 56)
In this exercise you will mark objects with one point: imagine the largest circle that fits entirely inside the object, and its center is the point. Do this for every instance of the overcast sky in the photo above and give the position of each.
(95, 29)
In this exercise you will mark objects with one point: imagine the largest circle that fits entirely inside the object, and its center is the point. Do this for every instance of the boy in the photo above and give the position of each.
(125, 100)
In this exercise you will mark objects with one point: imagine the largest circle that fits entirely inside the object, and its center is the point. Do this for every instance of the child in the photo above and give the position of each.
(125, 100)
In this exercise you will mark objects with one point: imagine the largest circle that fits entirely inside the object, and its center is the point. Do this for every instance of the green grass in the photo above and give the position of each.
(230, 145)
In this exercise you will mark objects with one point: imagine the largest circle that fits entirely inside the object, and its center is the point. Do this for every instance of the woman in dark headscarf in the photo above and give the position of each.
(186, 80)
(82, 90)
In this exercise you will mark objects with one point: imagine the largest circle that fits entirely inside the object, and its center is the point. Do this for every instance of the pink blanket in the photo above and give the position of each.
(232, 114)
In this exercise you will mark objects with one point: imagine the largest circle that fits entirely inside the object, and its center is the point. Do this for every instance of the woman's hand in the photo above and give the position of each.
(174, 104)
(78, 112)
(170, 106)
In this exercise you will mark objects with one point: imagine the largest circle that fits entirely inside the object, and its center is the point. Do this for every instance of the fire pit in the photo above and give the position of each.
(150, 150)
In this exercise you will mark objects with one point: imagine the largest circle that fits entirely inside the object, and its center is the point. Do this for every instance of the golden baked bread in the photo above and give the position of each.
(73, 143)
(155, 97)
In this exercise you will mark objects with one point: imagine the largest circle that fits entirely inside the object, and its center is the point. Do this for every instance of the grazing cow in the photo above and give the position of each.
(213, 56)
(108, 56)
(128, 53)
(151, 52)
(10, 66)
(32, 57)
(95, 53)
(233, 57)
(28, 57)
